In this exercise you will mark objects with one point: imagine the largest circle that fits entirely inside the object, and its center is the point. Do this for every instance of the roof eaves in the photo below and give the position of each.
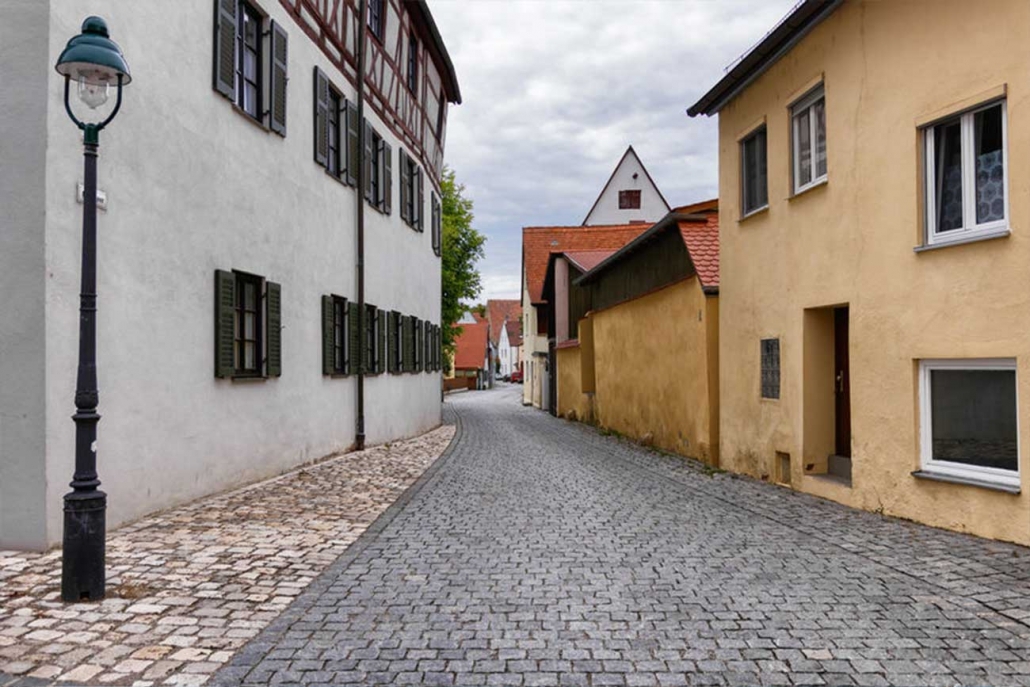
(450, 75)
(670, 220)
(795, 26)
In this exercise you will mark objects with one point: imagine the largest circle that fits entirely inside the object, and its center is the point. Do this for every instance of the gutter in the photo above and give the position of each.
(359, 430)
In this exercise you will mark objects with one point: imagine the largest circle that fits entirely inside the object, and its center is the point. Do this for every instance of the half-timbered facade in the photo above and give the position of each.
(269, 246)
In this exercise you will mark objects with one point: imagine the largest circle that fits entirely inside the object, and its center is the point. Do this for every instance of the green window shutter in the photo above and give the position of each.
(328, 352)
(277, 81)
(391, 341)
(438, 343)
(386, 179)
(427, 345)
(405, 179)
(321, 118)
(381, 358)
(225, 48)
(370, 150)
(409, 344)
(273, 311)
(225, 323)
(354, 336)
(436, 228)
(368, 354)
(418, 199)
(353, 144)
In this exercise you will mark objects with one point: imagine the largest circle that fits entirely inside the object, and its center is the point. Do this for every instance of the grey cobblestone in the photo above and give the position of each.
(542, 553)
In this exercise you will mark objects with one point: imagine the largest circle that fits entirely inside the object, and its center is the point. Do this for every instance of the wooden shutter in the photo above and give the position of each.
(409, 344)
(427, 345)
(321, 118)
(435, 220)
(405, 179)
(418, 199)
(328, 338)
(381, 358)
(277, 81)
(369, 148)
(354, 339)
(353, 143)
(368, 362)
(225, 323)
(273, 338)
(225, 48)
(391, 341)
(386, 178)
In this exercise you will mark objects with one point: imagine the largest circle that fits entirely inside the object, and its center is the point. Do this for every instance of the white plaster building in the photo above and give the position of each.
(630, 195)
(231, 170)
(509, 345)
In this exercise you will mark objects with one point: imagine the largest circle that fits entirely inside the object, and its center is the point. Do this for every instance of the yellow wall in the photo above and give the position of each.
(570, 388)
(651, 368)
(886, 67)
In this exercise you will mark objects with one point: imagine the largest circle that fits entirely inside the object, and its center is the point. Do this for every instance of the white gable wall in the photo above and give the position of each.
(629, 175)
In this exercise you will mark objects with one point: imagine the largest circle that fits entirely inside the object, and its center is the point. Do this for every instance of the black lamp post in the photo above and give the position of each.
(96, 63)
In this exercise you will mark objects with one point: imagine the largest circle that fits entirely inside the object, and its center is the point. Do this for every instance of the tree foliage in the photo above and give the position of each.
(462, 248)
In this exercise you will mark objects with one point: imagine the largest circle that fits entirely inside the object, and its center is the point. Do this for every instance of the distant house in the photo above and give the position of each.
(498, 313)
(630, 195)
(509, 348)
(538, 244)
(637, 330)
(471, 354)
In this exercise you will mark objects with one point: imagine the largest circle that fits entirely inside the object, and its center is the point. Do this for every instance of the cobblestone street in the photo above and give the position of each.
(542, 553)
(188, 587)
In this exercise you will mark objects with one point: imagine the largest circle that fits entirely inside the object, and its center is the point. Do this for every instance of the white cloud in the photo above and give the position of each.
(554, 91)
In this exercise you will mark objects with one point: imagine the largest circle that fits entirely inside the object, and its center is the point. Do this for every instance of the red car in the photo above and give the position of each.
(516, 377)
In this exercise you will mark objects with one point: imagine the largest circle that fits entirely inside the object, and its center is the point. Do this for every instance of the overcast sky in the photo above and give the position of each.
(554, 91)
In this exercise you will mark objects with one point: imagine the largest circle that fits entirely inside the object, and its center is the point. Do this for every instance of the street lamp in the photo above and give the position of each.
(96, 64)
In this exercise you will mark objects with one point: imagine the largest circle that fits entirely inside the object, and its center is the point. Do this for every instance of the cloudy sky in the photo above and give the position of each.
(554, 91)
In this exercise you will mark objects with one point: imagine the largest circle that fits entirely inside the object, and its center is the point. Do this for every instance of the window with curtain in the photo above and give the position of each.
(966, 175)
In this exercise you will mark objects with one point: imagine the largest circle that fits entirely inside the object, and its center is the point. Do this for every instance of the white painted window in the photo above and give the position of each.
(970, 419)
(808, 133)
(967, 175)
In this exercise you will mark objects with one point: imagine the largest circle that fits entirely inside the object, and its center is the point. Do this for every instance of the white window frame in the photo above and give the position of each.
(1010, 478)
(807, 103)
(970, 229)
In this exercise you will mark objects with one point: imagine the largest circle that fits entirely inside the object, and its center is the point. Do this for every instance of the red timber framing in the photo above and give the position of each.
(414, 118)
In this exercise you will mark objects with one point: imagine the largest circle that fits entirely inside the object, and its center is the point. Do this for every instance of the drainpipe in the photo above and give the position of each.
(359, 433)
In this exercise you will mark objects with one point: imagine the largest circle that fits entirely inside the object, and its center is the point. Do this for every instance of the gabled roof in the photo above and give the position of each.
(805, 16)
(586, 260)
(514, 329)
(497, 311)
(629, 151)
(470, 346)
(699, 229)
(539, 242)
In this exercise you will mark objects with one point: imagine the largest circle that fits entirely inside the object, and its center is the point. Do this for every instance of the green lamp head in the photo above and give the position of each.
(94, 61)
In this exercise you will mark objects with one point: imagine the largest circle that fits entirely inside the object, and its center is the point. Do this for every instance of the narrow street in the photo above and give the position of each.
(538, 552)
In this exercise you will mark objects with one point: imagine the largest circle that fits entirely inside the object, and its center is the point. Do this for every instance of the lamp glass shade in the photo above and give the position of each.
(93, 57)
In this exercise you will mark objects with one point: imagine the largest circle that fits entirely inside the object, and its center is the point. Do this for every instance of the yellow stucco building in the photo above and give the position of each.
(637, 334)
(874, 168)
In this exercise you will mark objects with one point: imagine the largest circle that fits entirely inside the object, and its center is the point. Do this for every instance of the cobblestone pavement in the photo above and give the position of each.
(188, 587)
(538, 552)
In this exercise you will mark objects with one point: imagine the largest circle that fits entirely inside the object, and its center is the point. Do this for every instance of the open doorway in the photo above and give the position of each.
(827, 393)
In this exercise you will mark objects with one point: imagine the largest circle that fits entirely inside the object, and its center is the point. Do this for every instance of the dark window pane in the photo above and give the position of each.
(803, 131)
(770, 368)
(990, 167)
(819, 110)
(974, 417)
(754, 174)
(629, 200)
(947, 141)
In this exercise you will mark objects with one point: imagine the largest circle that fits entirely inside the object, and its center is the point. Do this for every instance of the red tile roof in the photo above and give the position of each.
(539, 242)
(586, 260)
(499, 310)
(514, 328)
(470, 346)
(702, 242)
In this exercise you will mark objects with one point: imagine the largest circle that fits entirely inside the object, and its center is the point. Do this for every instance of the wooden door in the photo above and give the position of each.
(842, 382)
